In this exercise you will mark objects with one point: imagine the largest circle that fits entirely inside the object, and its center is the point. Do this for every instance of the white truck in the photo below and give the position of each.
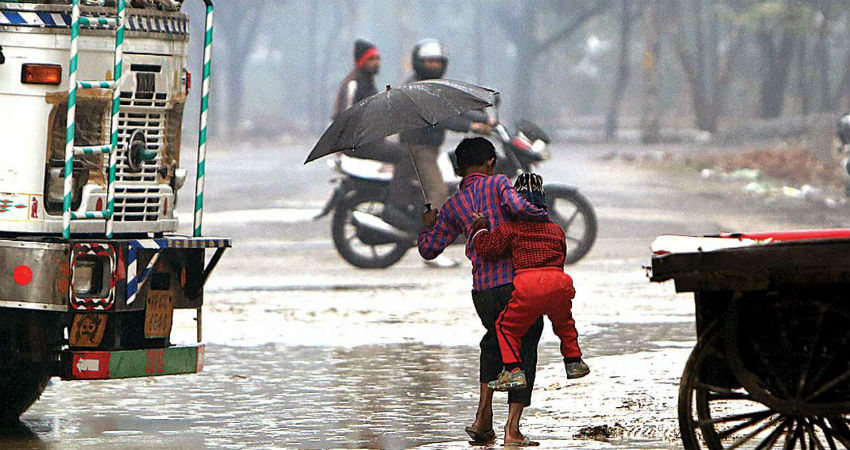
(91, 267)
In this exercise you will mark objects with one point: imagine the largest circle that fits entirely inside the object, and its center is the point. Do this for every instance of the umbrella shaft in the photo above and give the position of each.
(418, 176)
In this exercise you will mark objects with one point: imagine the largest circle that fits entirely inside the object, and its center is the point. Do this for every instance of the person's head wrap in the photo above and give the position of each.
(364, 51)
(530, 186)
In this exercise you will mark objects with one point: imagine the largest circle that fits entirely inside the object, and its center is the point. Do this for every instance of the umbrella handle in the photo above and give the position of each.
(427, 207)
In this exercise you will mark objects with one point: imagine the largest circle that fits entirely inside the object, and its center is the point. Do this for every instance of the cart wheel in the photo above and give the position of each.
(716, 414)
(791, 349)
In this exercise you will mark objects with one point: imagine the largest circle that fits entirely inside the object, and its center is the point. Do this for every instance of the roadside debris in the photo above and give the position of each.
(600, 432)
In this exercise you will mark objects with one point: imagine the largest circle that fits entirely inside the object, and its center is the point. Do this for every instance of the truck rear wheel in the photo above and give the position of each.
(29, 345)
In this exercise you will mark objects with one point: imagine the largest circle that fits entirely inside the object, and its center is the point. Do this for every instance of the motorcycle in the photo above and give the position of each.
(365, 240)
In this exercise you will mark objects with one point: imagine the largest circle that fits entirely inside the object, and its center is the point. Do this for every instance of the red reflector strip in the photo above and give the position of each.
(41, 74)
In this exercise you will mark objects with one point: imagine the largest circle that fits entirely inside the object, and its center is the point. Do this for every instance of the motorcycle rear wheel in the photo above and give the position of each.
(350, 243)
(574, 213)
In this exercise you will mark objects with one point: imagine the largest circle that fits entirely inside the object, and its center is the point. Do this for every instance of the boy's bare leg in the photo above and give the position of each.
(484, 415)
(512, 433)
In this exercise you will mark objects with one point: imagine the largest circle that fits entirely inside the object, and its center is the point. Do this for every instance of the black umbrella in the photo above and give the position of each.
(405, 107)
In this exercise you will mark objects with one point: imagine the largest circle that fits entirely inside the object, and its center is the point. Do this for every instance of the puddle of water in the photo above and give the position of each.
(273, 396)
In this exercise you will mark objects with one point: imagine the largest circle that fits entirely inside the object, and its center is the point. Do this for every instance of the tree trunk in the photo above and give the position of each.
(822, 54)
(478, 38)
(240, 32)
(772, 98)
(844, 84)
(623, 72)
(526, 56)
(314, 90)
(326, 93)
(802, 78)
(650, 120)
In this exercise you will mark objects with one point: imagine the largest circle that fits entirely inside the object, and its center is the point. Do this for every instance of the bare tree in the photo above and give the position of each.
(316, 87)
(237, 29)
(650, 124)
(707, 63)
(323, 94)
(803, 87)
(520, 21)
(623, 69)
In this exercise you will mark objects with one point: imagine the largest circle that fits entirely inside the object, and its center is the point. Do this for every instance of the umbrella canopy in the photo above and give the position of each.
(405, 107)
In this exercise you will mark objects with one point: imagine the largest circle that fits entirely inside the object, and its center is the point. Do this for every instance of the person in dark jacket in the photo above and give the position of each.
(357, 85)
(430, 60)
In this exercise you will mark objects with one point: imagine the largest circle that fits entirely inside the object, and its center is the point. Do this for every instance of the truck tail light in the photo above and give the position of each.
(41, 74)
(91, 277)
(93, 274)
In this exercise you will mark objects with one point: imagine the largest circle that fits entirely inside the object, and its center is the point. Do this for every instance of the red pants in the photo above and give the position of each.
(548, 291)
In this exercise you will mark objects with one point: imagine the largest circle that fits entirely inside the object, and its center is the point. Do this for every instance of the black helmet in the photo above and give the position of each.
(844, 129)
(429, 49)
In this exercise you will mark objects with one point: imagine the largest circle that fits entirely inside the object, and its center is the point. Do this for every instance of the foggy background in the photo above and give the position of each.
(733, 68)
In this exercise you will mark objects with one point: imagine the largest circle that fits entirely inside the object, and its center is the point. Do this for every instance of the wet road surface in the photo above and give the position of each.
(306, 351)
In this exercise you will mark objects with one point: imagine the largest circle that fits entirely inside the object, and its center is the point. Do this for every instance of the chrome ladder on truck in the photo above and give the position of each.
(119, 22)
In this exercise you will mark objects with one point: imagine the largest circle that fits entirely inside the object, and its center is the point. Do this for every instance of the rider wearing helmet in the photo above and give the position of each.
(429, 59)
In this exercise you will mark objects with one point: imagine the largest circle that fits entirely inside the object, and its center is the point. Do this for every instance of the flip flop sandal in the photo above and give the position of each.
(526, 442)
(480, 436)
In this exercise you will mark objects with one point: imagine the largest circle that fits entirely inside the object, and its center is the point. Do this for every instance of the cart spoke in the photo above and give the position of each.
(839, 430)
(770, 368)
(751, 435)
(712, 388)
(790, 438)
(823, 368)
(734, 417)
(771, 439)
(814, 441)
(801, 388)
(730, 396)
(826, 387)
(827, 433)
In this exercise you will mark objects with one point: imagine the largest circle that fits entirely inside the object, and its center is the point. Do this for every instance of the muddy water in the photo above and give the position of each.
(387, 396)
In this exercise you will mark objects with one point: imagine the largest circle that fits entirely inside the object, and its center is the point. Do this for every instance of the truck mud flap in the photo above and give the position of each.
(150, 362)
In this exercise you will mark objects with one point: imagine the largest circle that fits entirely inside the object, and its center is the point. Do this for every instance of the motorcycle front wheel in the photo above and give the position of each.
(573, 212)
(355, 244)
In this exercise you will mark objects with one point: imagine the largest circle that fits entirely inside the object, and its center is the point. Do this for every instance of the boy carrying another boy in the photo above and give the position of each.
(540, 284)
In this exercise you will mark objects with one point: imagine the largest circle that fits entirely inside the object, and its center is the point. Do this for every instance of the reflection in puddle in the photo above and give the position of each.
(389, 396)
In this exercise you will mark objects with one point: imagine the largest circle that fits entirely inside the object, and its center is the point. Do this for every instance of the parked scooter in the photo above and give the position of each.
(364, 239)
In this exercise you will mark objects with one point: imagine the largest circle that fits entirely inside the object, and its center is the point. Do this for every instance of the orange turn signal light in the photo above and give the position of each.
(41, 74)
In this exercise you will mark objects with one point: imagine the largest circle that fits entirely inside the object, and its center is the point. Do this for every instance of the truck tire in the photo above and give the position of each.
(29, 345)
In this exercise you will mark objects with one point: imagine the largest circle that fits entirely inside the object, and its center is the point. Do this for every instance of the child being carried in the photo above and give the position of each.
(540, 284)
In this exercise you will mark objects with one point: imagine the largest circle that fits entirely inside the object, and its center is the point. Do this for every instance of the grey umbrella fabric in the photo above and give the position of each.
(404, 107)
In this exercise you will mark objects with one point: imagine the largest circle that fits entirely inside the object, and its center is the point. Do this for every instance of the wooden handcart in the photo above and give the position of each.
(771, 367)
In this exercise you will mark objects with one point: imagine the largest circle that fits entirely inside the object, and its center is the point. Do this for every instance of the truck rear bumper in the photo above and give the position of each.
(109, 365)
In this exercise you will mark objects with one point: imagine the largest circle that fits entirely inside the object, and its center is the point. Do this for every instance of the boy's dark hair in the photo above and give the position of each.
(473, 152)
